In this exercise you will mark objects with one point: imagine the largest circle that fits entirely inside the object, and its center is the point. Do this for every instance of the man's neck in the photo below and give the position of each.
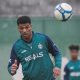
(28, 39)
(74, 59)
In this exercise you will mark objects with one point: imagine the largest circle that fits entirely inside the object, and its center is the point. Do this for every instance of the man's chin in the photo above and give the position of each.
(25, 36)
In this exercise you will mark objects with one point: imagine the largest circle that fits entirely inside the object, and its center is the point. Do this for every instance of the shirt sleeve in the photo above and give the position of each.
(12, 59)
(66, 73)
(52, 48)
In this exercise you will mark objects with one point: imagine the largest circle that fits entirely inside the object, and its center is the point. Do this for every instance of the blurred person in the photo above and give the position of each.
(32, 51)
(72, 69)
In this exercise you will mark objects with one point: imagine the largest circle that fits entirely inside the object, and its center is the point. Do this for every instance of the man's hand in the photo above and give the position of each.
(56, 72)
(14, 67)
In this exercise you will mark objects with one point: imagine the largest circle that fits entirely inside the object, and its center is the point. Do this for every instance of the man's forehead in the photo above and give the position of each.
(72, 51)
(24, 25)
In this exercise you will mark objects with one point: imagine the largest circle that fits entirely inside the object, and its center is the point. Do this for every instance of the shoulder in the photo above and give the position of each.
(68, 63)
(17, 44)
(40, 35)
(43, 36)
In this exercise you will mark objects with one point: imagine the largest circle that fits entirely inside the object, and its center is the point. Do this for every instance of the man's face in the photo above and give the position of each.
(74, 54)
(25, 30)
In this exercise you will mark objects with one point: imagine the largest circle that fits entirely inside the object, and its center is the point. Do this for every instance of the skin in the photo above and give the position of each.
(56, 72)
(14, 67)
(74, 54)
(26, 33)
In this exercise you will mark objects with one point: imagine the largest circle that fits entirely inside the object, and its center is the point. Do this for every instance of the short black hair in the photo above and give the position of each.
(74, 47)
(23, 20)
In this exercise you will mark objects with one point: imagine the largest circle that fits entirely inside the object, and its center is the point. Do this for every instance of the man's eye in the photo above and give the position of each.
(20, 28)
(27, 27)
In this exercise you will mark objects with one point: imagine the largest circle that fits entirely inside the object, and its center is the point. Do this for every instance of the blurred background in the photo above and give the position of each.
(41, 13)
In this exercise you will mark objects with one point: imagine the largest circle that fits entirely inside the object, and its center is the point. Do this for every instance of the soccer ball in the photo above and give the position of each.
(63, 12)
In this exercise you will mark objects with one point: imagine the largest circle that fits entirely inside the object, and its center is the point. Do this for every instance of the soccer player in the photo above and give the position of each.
(72, 69)
(32, 51)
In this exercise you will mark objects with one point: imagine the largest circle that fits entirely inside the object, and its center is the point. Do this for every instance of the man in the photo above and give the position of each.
(72, 69)
(32, 51)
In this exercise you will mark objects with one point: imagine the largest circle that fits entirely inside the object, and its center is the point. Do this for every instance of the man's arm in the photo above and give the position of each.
(52, 48)
(13, 62)
(66, 73)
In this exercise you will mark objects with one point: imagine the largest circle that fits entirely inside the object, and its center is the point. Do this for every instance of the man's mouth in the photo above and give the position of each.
(25, 34)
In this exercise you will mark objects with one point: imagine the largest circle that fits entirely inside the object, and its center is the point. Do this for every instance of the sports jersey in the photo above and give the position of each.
(72, 70)
(34, 57)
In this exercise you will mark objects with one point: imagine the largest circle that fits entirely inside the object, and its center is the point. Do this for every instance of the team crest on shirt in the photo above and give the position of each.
(40, 46)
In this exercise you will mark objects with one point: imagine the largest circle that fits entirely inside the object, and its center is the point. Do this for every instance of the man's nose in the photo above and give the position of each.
(24, 30)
